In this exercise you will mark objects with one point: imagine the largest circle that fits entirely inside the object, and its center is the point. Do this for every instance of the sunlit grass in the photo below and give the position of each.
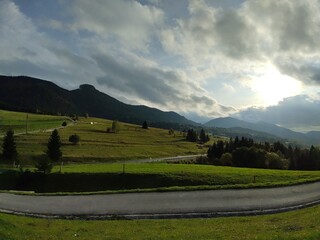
(96, 145)
(21, 122)
(130, 177)
(301, 224)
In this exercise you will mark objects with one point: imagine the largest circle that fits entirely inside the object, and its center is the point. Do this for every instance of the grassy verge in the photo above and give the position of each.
(109, 178)
(301, 224)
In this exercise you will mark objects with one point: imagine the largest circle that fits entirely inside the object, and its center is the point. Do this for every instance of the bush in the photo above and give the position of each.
(64, 124)
(226, 159)
(274, 161)
(74, 139)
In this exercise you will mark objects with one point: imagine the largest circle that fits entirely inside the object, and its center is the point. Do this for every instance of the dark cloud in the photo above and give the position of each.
(291, 111)
(233, 32)
(148, 83)
(309, 73)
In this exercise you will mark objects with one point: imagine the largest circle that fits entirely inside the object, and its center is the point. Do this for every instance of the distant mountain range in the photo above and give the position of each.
(36, 95)
(263, 127)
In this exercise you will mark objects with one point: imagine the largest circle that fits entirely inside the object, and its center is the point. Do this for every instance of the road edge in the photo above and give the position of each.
(189, 215)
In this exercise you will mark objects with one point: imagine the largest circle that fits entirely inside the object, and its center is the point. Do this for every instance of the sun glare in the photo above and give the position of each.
(273, 86)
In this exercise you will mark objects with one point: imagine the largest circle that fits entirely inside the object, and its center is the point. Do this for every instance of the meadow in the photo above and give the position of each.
(21, 122)
(89, 169)
(96, 145)
(89, 166)
(301, 224)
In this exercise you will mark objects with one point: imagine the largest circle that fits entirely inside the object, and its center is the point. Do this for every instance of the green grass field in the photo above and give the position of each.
(132, 142)
(96, 145)
(107, 178)
(17, 121)
(301, 224)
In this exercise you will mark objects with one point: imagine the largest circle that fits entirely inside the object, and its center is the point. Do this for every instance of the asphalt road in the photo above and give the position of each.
(166, 204)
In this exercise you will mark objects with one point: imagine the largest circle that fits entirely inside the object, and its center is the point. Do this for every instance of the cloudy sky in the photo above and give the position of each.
(252, 59)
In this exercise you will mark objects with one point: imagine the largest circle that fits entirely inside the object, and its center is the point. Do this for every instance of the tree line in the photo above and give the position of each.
(244, 152)
(193, 136)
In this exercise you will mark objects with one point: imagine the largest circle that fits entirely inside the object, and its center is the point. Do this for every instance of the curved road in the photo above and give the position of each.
(164, 205)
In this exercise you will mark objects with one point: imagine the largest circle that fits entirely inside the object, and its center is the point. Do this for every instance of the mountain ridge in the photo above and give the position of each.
(284, 133)
(29, 94)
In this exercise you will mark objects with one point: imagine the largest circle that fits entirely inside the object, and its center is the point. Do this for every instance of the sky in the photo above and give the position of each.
(254, 60)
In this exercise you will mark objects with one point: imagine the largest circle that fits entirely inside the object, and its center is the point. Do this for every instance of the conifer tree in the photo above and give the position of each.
(54, 153)
(9, 149)
(145, 125)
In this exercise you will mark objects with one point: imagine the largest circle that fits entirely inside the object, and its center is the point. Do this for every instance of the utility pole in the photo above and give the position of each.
(124, 167)
(27, 118)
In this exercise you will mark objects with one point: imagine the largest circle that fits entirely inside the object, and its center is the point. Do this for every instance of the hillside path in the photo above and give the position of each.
(165, 204)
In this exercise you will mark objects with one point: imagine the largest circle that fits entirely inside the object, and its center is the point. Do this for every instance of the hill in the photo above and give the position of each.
(37, 95)
(262, 127)
(96, 143)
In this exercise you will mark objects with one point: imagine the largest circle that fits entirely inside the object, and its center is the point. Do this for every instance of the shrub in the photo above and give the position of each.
(74, 139)
(226, 159)
(274, 161)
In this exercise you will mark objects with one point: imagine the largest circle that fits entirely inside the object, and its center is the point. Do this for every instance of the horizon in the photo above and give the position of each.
(202, 59)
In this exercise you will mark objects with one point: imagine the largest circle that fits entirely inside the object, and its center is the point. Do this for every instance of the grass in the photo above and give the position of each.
(92, 178)
(96, 145)
(301, 224)
(36, 122)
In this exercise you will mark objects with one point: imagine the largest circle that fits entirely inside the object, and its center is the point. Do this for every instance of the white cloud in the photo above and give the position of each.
(27, 51)
(195, 57)
(129, 22)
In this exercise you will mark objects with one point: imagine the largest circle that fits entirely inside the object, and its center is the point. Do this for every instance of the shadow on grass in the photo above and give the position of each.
(89, 182)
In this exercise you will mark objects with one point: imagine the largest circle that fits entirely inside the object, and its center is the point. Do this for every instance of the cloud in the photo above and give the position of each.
(27, 51)
(306, 70)
(253, 34)
(129, 22)
(292, 111)
(169, 89)
(197, 57)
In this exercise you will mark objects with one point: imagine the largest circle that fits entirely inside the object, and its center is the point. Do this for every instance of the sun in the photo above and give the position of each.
(272, 86)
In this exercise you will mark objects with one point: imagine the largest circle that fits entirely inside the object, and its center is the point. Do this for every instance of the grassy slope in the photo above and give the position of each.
(184, 176)
(302, 224)
(152, 177)
(132, 142)
(36, 122)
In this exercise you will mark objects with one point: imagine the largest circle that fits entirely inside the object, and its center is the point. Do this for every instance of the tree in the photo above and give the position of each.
(74, 139)
(203, 137)
(64, 124)
(54, 153)
(192, 135)
(9, 148)
(145, 125)
(115, 126)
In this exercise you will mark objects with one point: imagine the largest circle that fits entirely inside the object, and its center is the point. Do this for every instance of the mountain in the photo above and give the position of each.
(314, 134)
(37, 95)
(245, 132)
(272, 129)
